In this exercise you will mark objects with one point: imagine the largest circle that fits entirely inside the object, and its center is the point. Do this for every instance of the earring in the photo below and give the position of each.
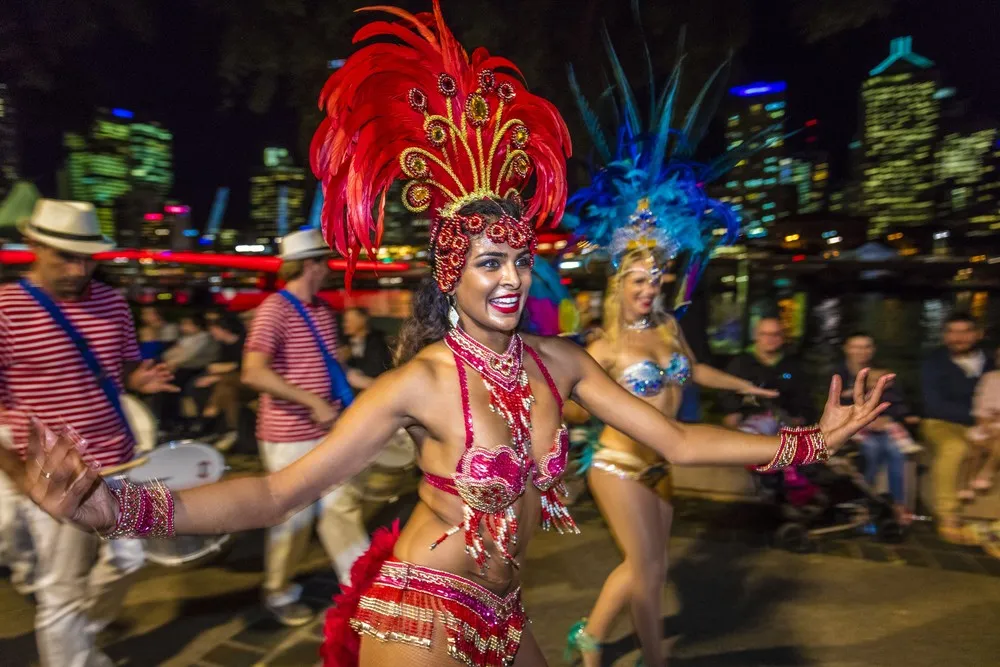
(452, 313)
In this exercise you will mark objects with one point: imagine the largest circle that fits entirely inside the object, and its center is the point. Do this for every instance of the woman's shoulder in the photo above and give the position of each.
(430, 362)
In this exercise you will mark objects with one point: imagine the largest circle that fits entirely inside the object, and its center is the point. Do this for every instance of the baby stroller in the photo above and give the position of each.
(823, 498)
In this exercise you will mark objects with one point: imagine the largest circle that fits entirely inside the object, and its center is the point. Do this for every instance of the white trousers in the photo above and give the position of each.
(339, 523)
(80, 585)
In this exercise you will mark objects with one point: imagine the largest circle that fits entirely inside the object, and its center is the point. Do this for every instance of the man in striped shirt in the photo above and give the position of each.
(283, 361)
(81, 581)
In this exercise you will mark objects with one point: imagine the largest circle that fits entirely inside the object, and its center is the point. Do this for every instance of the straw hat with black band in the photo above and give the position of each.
(70, 226)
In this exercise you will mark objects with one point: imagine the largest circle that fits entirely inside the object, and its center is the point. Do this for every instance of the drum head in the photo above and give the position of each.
(141, 421)
(399, 452)
(181, 465)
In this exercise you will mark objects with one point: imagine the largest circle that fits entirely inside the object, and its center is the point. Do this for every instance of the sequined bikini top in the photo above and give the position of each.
(646, 378)
(489, 481)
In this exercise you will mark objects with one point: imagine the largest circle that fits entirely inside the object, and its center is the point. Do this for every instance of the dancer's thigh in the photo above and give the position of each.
(376, 653)
(633, 512)
(530, 654)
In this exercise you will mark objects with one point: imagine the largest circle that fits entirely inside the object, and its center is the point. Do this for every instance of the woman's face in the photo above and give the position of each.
(494, 285)
(640, 287)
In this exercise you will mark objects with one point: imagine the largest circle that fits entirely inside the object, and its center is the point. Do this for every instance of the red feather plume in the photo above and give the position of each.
(417, 107)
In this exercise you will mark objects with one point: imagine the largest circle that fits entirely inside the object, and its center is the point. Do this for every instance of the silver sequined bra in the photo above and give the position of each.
(646, 378)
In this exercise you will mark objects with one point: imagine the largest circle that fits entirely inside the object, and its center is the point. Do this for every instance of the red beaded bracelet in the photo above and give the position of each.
(144, 511)
(798, 446)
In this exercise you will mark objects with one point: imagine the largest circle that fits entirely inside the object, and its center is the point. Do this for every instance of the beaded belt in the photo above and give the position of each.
(405, 600)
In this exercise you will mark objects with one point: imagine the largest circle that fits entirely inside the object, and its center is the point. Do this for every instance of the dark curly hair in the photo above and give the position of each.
(429, 322)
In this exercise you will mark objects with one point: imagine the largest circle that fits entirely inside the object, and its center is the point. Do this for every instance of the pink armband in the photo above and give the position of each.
(144, 511)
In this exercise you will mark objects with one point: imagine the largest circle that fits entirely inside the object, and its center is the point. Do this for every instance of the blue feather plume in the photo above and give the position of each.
(647, 189)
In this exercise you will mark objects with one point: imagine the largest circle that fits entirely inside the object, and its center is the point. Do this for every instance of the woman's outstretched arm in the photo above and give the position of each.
(61, 483)
(354, 441)
(698, 444)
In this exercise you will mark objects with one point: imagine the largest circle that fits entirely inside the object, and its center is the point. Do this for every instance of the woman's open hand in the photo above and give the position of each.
(58, 480)
(840, 422)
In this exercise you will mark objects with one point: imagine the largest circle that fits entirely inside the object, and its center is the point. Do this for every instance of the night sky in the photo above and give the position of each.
(173, 78)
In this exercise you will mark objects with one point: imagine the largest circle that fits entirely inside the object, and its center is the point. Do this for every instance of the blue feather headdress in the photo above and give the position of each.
(648, 191)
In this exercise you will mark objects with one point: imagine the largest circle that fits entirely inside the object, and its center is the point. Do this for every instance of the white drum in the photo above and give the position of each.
(393, 472)
(181, 465)
(142, 423)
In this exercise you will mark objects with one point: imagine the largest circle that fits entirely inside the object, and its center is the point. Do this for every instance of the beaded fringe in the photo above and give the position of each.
(397, 615)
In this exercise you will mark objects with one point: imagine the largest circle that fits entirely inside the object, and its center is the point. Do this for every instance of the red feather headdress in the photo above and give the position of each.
(458, 129)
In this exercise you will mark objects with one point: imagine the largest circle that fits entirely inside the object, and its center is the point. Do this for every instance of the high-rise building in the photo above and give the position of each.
(753, 187)
(809, 174)
(900, 119)
(963, 164)
(277, 196)
(151, 157)
(117, 156)
(228, 240)
(10, 163)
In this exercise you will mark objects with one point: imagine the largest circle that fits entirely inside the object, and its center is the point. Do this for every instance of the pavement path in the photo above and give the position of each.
(732, 600)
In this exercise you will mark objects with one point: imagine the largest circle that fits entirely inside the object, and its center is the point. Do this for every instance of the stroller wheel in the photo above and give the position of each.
(889, 530)
(794, 537)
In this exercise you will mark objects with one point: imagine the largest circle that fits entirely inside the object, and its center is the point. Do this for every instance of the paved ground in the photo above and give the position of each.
(732, 600)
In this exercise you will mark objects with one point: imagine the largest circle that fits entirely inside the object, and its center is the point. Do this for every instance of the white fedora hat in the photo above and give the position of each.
(66, 225)
(304, 244)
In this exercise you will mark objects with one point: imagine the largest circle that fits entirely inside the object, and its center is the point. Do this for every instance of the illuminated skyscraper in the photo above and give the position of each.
(10, 164)
(116, 157)
(277, 196)
(753, 186)
(809, 174)
(151, 157)
(900, 115)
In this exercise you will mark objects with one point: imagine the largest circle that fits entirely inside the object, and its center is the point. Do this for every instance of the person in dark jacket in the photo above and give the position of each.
(767, 366)
(369, 354)
(948, 381)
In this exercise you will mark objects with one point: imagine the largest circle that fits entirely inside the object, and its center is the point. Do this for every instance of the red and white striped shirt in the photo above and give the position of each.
(280, 332)
(42, 372)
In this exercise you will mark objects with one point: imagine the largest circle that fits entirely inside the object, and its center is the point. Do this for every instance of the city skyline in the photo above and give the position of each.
(201, 167)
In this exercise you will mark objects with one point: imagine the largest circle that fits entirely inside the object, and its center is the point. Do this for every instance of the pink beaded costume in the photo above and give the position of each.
(458, 130)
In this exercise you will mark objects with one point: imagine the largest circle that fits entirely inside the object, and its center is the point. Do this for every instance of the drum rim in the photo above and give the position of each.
(214, 544)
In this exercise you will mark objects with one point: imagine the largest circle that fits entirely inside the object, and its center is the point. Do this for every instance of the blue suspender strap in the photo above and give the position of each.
(338, 379)
(104, 381)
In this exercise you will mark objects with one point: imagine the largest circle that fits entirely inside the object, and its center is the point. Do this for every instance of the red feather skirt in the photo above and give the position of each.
(395, 601)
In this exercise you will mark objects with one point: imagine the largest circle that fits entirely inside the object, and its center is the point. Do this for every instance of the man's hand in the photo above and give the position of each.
(324, 413)
(206, 381)
(150, 378)
(358, 380)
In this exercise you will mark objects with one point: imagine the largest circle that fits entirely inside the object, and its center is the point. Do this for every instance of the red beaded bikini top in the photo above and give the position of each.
(489, 481)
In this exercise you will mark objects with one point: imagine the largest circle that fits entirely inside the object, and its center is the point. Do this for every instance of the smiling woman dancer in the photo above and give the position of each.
(645, 350)
(645, 205)
(482, 402)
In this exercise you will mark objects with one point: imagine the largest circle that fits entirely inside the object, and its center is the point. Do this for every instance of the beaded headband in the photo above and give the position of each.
(457, 128)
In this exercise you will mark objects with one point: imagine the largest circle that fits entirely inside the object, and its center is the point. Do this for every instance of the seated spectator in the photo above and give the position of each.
(194, 350)
(984, 437)
(767, 366)
(223, 393)
(187, 358)
(885, 442)
(368, 354)
(948, 381)
(155, 334)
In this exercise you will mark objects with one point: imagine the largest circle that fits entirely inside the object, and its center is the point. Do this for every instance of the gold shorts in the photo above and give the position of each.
(655, 477)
